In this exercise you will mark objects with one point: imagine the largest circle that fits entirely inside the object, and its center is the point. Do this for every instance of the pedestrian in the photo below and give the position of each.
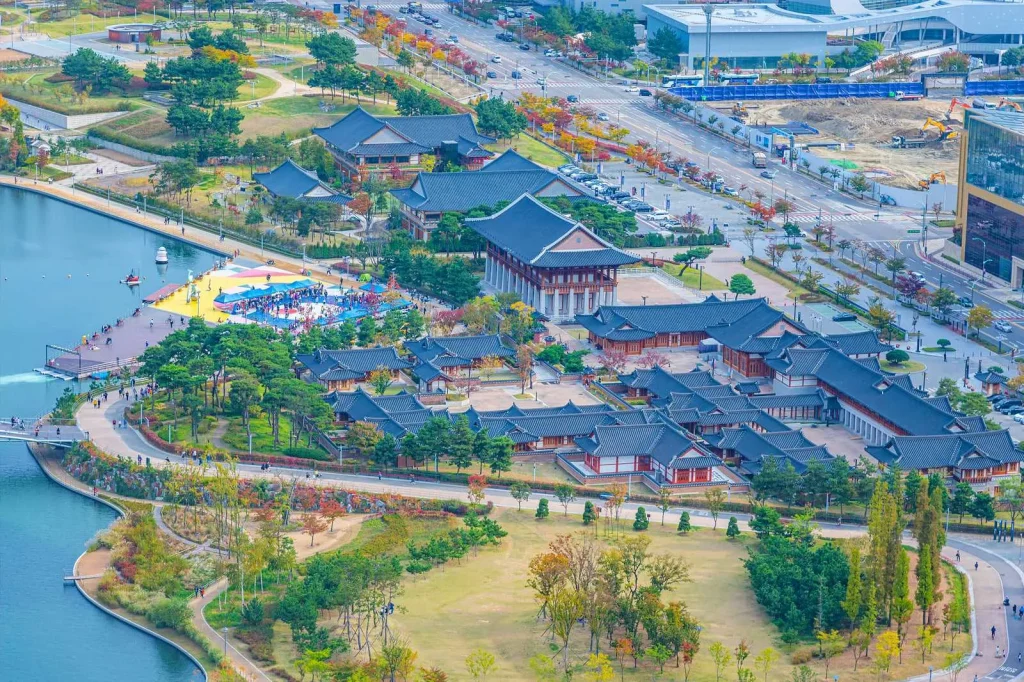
(1018, 656)
(976, 568)
(202, 592)
(994, 635)
(1015, 610)
(958, 556)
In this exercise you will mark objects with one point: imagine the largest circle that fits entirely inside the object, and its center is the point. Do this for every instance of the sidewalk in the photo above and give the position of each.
(242, 664)
(986, 589)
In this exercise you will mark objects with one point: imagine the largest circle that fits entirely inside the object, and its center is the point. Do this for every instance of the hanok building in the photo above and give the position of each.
(556, 428)
(505, 179)
(363, 142)
(658, 454)
(634, 329)
(340, 370)
(981, 459)
(553, 263)
(393, 414)
(748, 449)
(449, 361)
(869, 403)
(292, 181)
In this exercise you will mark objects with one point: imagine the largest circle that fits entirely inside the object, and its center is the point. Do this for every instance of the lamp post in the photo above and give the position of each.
(224, 632)
(984, 254)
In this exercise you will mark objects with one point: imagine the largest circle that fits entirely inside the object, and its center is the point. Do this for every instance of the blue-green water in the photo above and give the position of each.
(49, 632)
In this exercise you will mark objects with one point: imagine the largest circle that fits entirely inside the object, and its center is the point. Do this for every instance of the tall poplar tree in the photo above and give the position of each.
(925, 595)
(851, 605)
(902, 606)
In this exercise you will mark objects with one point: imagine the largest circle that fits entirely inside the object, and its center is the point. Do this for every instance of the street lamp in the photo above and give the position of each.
(984, 253)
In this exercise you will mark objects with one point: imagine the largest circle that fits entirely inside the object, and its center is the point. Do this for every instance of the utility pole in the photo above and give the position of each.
(708, 11)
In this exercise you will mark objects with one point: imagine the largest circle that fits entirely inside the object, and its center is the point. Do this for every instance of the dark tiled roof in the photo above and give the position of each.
(785, 447)
(464, 191)
(743, 332)
(767, 402)
(659, 441)
(891, 396)
(291, 180)
(359, 405)
(988, 377)
(961, 451)
(859, 343)
(434, 353)
(511, 160)
(530, 230)
(630, 323)
(662, 384)
(358, 361)
(421, 134)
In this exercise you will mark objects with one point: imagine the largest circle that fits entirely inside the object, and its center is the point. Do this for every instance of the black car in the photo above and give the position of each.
(619, 195)
(524, 47)
(844, 317)
(645, 92)
(822, 79)
(516, 75)
(966, 302)
(492, 74)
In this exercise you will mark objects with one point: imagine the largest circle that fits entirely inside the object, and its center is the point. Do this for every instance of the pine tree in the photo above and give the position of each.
(937, 498)
(925, 595)
(542, 509)
(851, 605)
(640, 521)
(733, 531)
(589, 515)
(684, 522)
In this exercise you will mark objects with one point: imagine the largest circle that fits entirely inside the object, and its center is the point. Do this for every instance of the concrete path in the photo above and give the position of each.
(241, 663)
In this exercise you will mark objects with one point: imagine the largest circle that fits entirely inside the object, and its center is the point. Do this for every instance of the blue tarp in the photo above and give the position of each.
(263, 290)
(994, 87)
(374, 287)
(741, 93)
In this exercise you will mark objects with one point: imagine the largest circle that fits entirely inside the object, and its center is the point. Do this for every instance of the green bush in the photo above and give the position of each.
(641, 521)
(170, 613)
(307, 453)
(542, 509)
(418, 566)
(252, 611)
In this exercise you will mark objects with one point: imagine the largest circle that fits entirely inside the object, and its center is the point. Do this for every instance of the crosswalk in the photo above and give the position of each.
(845, 217)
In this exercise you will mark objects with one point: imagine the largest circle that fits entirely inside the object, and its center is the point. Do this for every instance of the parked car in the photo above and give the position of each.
(643, 207)
(731, 191)
(632, 88)
(1014, 411)
(1019, 417)
(618, 195)
(1003, 326)
(1007, 405)
(585, 177)
(602, 116)
(844, 317)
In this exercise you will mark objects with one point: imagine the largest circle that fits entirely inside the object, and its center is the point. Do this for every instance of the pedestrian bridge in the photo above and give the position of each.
(58, 434)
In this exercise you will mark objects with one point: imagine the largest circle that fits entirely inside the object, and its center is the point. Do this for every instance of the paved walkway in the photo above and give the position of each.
(241, 663)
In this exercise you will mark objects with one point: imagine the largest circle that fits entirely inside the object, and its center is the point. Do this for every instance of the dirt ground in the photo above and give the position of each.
(548, 395)
(632, 290)
(119, 157)
(11, 55)
(869, 125)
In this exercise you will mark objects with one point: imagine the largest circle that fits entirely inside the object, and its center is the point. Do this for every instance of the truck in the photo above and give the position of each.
(904, 97)
(759, 159)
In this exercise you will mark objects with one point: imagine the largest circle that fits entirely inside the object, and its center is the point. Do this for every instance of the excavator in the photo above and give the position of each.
(945, 132)
(933, 179)
(953, 105)
(739, 110)
(1009, 104)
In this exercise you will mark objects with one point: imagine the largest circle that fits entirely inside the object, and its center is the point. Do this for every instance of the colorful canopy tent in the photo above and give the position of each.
(374, 287)
(248, 292)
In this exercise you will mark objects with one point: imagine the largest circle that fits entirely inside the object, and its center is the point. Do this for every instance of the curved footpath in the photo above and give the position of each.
(96, 563)
(998, 575)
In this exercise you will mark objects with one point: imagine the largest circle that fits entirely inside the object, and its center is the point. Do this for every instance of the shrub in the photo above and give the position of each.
(733, 531)
(252, 611)
(170, 613)
(542, 509)
(801, 656)
(641, 521)
(684, 522)
(303, 452)
(418, 566)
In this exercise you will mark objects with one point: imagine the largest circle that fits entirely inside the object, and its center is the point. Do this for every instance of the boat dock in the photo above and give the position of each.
(103, 352)
(162, 293)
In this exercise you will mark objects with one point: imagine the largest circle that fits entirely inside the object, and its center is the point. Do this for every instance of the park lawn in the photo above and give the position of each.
(795, 290)
(692, 278)
(262, 436)
(419, 529)
(34, 87)
(296, 116)
(533, 149)
(547, 472)
(264, 87)
(486, 603)
(903, 368)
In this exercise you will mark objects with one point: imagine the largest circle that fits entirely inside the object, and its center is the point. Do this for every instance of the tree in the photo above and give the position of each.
(733, 531)
(897, 357)
(980, 317)
(974, 404)
(480, 663)
(852, 603)
(363, 436)
(741, 284)
(542, 509)
(721, 656)
(664, 502)
(811, 280)
(589, 513)
(332, 49)
(882, 317)
(380, 379)
(500, 118)
(715, 499)
(640, 521)
(924, 596)
(983, 508)
(520, 492)
(684, 523)
(501, 450)
(460, 444)
(312, 524)
(566, 494)
(895, 265)
(830, 645)
(385, 452)
(886, 649)
(764, 662)
(847, 289)
(690, 256)
(665, 43)
(943, 299)
(860, 184)
(963, 499)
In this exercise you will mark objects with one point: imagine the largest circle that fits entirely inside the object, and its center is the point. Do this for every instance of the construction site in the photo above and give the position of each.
(897, 142)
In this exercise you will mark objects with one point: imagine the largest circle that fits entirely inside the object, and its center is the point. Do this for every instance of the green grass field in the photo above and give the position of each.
(295, 116)
(692, 278)
(533, 149)
(902, 368)
(261, 86)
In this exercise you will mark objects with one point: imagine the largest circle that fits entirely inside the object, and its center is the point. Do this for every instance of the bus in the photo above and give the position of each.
(681, 81)
(738, 78)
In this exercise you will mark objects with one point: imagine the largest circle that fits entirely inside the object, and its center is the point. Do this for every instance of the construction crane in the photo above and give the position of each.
(945, 132)
(1009, 104)
(739, 110)
(953, 105)
(933, 179)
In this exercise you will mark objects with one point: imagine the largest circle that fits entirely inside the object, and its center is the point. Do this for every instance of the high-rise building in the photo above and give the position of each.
(990, 201)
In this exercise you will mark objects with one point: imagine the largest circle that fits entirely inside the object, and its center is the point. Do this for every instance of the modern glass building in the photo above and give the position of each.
(991, 197)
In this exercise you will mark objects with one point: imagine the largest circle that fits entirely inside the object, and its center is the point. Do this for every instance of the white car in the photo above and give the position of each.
(1019, 418)
(632, 88)
(602, 116)
(496, 59)
(1003, 326)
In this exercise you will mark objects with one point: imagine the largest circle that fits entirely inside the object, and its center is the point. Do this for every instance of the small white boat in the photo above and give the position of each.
(161, 256)
(131, 280)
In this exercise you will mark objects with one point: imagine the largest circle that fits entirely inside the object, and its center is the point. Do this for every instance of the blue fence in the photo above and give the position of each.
(994, 88)
(797, 91)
